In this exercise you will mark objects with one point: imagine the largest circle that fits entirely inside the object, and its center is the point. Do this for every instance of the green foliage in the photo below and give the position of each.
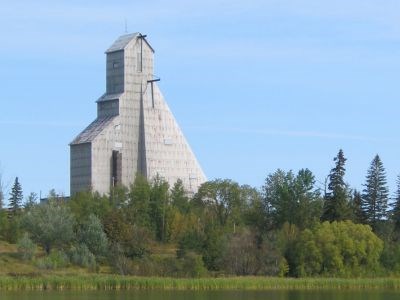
(55, 260)
(31, 201)
(81, 256)
(376, 193)
(1, 191)
(190, 265)
(179, 198)
(118, 196)
(85, 203)
(118, 261)
(91, 235)
(214, 248)
(190, 241)
(336, 200)
(242, 255)
(395, 213)
(337, 249)
(356, 207)
(287, 238)
(138, 209)
(12, 227)
(50, 225)
(293, 199)
(16, 197)
(223, 201)
(4, 224)
(26, 247)
(132, 240)
(159, 200)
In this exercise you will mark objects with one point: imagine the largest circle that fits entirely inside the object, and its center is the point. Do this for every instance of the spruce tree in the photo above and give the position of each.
(395, 213)
(336, 199)
(358, 213)
(16, 196)
(376, 193)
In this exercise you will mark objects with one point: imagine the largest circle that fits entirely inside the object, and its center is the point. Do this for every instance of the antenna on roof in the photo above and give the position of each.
(126, 26)
(141, 37)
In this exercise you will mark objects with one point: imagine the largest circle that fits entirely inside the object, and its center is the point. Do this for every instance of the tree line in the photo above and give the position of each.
(288, 227)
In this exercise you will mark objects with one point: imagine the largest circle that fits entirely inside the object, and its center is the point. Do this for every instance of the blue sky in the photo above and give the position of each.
(255, 85)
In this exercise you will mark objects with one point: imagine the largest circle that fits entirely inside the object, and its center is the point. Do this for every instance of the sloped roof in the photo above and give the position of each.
(108, 97)
(93, 130)
(124, 40)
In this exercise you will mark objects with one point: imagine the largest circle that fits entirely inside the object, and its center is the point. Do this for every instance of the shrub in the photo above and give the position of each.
(81, 256)
(55, 260)
(26, 248)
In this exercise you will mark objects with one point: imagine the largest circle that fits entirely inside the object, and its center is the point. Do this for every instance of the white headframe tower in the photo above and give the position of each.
(134, 132)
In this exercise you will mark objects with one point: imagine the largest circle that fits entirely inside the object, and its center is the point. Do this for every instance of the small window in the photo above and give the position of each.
(167, 141)
(115, 64)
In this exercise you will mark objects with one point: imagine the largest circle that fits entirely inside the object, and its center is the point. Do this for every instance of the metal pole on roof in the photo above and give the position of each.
(141, 36)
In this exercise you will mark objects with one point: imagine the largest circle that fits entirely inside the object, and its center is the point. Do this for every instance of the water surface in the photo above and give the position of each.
(202, 295)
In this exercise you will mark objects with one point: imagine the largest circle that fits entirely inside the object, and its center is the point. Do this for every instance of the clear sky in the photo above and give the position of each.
(255, 85)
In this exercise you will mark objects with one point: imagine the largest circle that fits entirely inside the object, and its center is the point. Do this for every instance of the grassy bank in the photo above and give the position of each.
(108, 282)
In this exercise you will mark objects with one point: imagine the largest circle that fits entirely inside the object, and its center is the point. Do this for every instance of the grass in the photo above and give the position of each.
(16, 275)
(114, 282)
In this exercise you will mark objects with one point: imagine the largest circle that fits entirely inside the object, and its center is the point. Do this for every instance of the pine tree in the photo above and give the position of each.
(356, 205)
(16, 196)
(376, 193)
(336, 200)
(395, 213)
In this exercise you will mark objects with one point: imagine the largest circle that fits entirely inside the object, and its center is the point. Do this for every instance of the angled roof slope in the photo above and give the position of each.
(124, 40)
(93, 130)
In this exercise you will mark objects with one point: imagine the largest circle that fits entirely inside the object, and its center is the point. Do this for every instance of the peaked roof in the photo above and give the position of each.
(124, 40)
(93, 130)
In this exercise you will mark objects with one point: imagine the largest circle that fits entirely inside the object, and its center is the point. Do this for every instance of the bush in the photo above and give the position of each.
(192, 266)
(55, 260)
(338, 249)
(82, 256)
(92, 235)
(26, 248)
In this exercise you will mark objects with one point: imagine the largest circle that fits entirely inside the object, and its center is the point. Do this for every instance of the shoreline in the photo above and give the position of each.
(118, 282)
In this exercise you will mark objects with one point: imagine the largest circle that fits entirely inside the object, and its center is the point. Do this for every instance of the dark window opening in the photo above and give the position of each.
(116, 170)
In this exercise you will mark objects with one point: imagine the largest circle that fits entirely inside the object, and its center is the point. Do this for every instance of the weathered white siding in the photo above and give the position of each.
(135, 122)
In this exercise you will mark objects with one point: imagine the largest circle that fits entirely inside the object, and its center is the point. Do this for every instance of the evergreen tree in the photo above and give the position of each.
(395, 213)
(16, 196)
(336, 199)
(376, 193)
(356, 205)
(179, 197)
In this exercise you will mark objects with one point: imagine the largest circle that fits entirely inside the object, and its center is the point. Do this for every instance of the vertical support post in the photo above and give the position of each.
(152, 89)
(152, 94)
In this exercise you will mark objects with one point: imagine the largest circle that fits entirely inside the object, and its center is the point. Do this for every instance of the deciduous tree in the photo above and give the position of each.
(50, 225)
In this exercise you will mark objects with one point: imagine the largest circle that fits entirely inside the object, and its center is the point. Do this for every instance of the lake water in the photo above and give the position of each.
(213, 295)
